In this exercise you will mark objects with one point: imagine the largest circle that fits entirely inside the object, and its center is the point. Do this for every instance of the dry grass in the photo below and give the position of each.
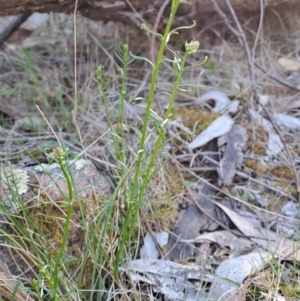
(45, 77)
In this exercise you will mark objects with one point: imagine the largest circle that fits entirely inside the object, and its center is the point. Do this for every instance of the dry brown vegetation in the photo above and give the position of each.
(55, 70)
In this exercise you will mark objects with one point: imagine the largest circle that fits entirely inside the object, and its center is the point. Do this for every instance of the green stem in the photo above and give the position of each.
(121, 153)
(67, 224)
(150, 98)
(133, 210)
(158, 143)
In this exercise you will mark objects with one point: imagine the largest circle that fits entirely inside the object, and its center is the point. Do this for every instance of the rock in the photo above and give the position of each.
(37, 196)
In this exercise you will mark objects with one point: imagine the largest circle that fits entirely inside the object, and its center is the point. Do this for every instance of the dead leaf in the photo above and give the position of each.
(171, 279)
(221, 101)
(231, 273)
(288, 121)
(197, 221)
(217, 128)
(288, 64)
(275, 145)
(225, 238)
(279, 245)
(233, 142)
(149, 250)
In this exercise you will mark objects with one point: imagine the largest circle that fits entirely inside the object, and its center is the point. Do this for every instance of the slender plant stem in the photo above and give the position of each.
(137, 193)
(121, 152)
(67, 223)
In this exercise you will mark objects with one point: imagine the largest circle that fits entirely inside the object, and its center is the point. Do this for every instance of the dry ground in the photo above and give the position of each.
(56, 72)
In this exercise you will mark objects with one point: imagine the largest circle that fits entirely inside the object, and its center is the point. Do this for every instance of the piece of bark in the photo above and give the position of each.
(232, 145)
(189, 225)
(115, 10)
(11, 27)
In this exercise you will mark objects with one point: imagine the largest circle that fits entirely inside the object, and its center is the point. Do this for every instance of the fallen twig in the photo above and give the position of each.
(198, 205)
(242, 39)
(241, 174)
(12, 26)
(155, 26)
(277, 79)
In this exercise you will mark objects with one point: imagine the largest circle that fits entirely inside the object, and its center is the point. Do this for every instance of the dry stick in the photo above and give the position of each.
(158, 247)
(48, 123)
(245, 176)
(241, 174)
(74, 112)
(75, 109)
(155, 26)
(247, 204)
(198, 205)
(201, 209)
(136, 12)
(276, 79)
(224, 18)
(260, 25)
(75, 61)
(242, 38)
(152, 45)
(12, 26)
(241, 34)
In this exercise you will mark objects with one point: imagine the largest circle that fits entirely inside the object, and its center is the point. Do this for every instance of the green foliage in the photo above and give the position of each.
(110, 236)
(134, 176)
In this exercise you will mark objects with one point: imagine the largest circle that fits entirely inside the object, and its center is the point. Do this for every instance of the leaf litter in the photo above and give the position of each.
(247, 241)
(199, 251)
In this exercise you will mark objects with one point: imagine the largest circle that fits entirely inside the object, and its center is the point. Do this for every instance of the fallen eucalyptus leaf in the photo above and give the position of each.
(225, 238)
(279, 245)
(221, 101)
(217, 128)
(149, 250)
(171, 279)
(288, 121)
(231, 273)
(275, 145)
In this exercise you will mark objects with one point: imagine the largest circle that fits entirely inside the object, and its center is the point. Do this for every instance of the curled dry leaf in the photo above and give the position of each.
(221, 102)
(225, 239)
(217, 128)
(278, 245)
(266, 124)
(275, 144)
